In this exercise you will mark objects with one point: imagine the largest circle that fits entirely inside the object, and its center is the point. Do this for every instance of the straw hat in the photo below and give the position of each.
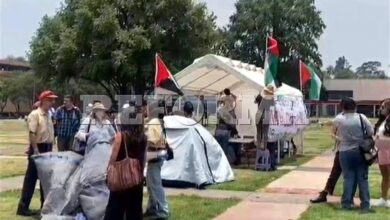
(268, 91)
(98, 106)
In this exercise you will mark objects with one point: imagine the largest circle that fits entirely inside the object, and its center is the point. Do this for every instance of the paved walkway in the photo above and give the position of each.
(287, 197)
(284, 199)
(15, 183)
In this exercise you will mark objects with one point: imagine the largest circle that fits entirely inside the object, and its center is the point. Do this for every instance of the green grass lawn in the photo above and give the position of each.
(249, 180)
(13, 137)
(317, 139)
(374, 180)
(181, 207)
(333, 212)
(12, 167)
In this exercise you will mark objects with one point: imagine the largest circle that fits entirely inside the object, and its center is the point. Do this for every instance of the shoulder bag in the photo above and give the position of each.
(123, 174)
(367, 146)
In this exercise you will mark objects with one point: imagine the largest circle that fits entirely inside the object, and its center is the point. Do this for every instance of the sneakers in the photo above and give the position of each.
(382, 202)
(321, 198)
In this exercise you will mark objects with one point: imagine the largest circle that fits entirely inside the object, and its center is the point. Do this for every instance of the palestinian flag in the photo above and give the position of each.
(307, 73)
(271, 62)
(164, 78)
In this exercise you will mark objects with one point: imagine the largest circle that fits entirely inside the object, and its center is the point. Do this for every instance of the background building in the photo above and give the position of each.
(367, 92)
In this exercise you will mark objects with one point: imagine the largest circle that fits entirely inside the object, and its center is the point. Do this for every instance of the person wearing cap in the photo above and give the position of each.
(265, 101)
(67, 119)
(41, 138)
(98, 122)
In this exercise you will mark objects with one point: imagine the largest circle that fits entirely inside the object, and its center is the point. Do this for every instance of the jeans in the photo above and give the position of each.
(65, 143)
(31, 177)
(125, 203)
(222, 137)
(272, 147)
(157, 204)
(355, 172)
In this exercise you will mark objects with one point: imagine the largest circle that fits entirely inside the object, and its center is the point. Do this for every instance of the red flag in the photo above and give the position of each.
(304, 74)
(164, 78)
(272, 46)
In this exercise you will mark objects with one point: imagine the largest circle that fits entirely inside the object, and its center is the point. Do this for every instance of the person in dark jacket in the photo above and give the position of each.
(128, 204)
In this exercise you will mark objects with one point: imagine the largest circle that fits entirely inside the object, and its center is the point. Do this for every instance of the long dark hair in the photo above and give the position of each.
(383, 118)
(131, 123)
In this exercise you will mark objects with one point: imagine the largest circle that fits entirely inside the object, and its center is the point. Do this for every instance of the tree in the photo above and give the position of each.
(342, 69)
(296, 25)
(19, 89)
(3, 96)
(113, 43)
(371, 69)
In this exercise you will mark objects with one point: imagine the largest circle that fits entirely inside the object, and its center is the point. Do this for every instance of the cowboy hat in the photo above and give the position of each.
(98, 106)
(268, 91)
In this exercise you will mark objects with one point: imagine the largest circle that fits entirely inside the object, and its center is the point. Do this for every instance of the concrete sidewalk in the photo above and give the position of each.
(287, 197)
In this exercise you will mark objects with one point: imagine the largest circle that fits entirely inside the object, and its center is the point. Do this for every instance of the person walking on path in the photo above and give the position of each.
(132, 137)
(41, 137)
(67, 119)
(382, 141)
(348, 133)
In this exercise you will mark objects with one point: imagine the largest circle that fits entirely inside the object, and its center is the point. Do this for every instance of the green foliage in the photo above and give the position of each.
(342, 69)
(113, 43)
(19, 88)
(3, 96)
(371, 69)
(296, 25)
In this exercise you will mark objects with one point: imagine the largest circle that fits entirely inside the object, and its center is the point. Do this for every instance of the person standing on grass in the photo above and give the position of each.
(382, 141)
(205, 116)
(348, 133)
(41, 137)
(67, 119)
(129, 202)
(157, 207)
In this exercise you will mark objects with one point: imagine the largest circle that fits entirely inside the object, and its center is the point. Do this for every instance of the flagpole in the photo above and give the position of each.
(265, 59)
(300, 74)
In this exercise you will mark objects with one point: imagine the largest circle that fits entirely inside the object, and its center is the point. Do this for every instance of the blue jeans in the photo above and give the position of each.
(157, 205)
(355, 172)
(222, 137)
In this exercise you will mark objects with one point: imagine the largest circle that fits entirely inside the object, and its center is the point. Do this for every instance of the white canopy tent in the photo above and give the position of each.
(211, 74)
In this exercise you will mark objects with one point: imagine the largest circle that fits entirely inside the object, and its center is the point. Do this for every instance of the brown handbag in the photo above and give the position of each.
(124, 174)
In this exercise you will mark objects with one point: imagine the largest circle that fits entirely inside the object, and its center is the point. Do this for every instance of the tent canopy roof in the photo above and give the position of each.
(211, 74)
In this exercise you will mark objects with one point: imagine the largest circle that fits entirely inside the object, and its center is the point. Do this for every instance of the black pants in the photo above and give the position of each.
(334, 175)
(31, 177)
(272, 148)
(65, 143)
(125, 205)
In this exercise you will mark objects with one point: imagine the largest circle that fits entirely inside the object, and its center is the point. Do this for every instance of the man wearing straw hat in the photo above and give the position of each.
(265, 100)
(41, 135)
